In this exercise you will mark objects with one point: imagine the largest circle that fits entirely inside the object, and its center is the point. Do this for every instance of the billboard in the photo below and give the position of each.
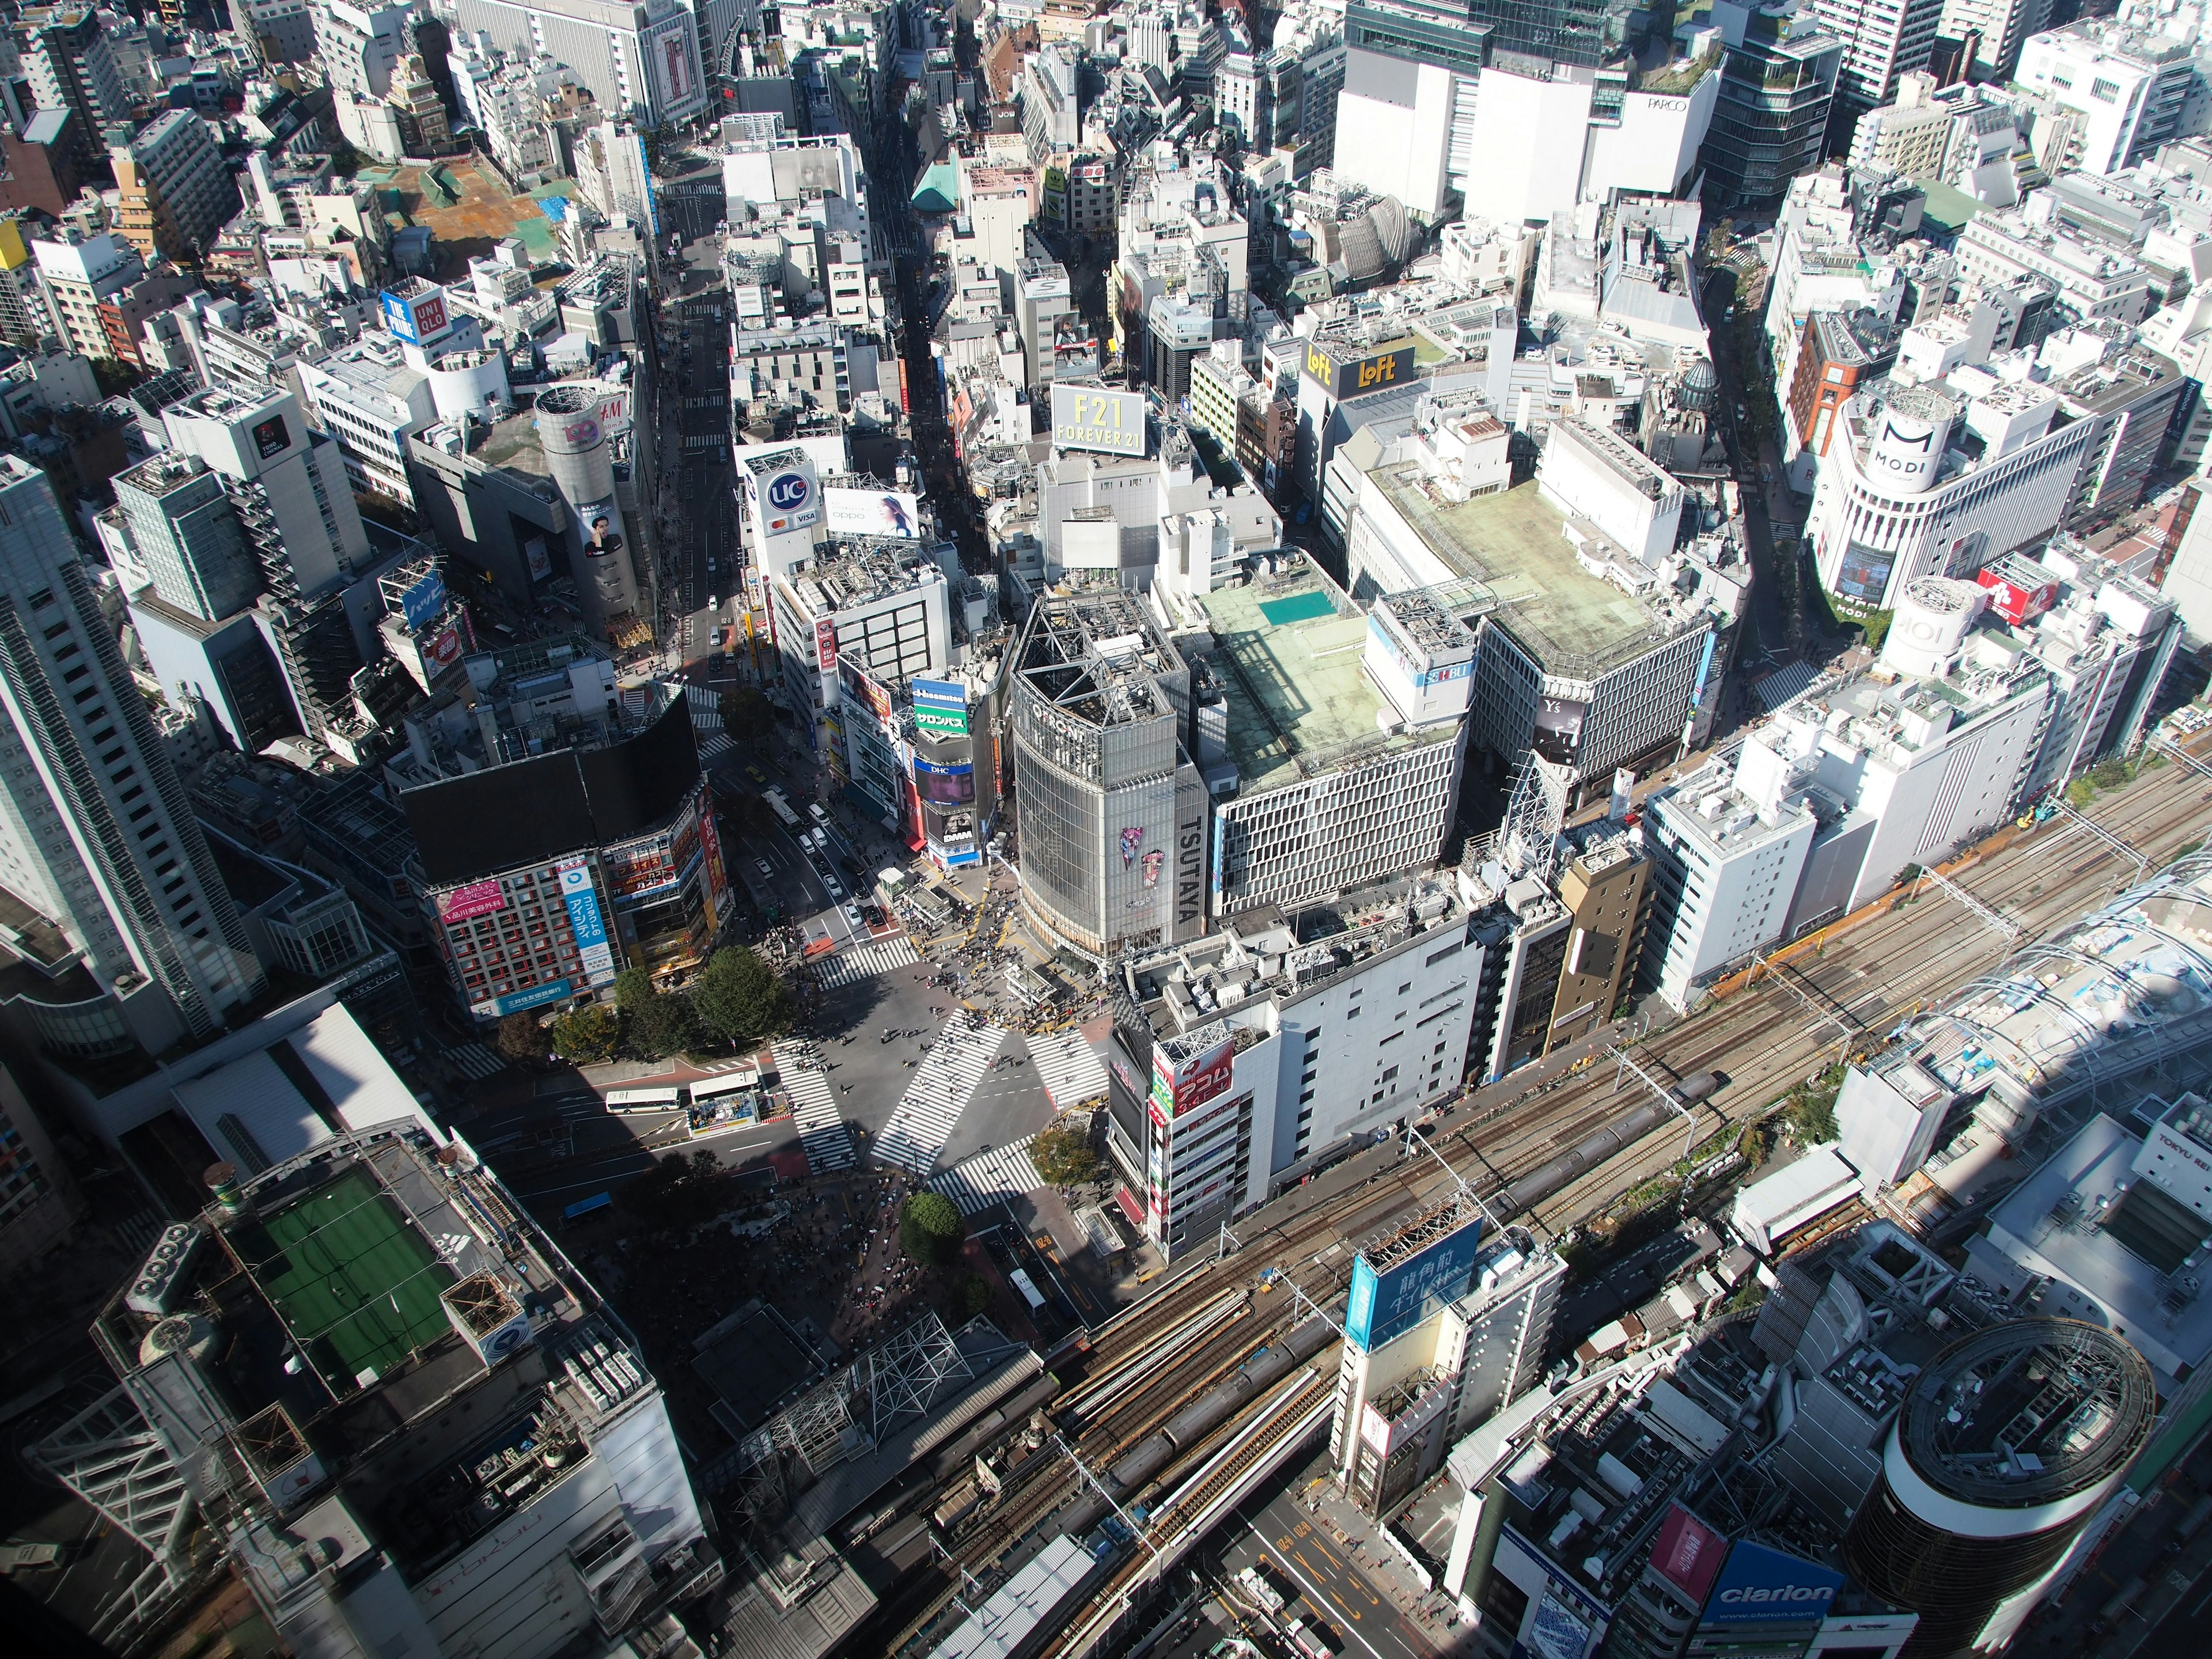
(1763, 1585)
(424, 601)
(872, 513)
(669, 54)
(443, 649)
(537, 996)
(270, 439)
(825, 644)
(602, 522)
(416, 319)
(1688, 1554)
(863, 685)
(1559, 734)
(791, 500)
(538, 558)
(944, 786)
(1091, 418)
(1384, 1304)
(478, 898)
(1204, 1077)
(940, 722)
(1347, 370)
(584, 917)
(1864, 574)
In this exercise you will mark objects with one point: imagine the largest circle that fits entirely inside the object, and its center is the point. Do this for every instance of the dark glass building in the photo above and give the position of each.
(1772, 118)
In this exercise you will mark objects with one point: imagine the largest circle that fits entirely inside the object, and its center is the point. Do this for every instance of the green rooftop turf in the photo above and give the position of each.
(356, 1284)
(1299, 607)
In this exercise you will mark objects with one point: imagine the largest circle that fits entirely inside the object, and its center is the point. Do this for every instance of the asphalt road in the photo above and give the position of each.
(1333, 1593)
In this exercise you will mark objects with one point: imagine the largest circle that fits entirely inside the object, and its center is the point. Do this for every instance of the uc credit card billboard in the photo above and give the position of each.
(1388, 1303)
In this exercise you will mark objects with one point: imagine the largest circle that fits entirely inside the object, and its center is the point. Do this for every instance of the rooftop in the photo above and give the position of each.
(2070, 1219)
(1515, 543)
(1298, 699)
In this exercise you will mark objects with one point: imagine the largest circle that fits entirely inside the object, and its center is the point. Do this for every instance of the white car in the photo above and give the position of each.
(767, 870)
(852, 916)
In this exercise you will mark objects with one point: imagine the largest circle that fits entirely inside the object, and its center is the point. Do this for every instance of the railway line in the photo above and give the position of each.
(1205, 1332)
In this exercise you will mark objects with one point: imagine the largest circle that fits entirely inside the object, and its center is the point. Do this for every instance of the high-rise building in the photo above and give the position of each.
(288, 487)
(2000, 29)
(176, 192)
(1778, 87)
(2128, 84)
(641, 58)
(1881, 40)
(96, 832)
(408, 1420)
(39, 1202)
(71, 66)
(79, 277)
(2007, 1443)
(359, 47)
(1110, 794)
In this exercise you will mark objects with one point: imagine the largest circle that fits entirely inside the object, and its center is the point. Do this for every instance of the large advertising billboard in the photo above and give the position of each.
(940, 707)
(872, 513)
(1688, 1554)
(584, 918)
(825, 644)
(1205, 1076)
(478, 898)
(420, 602)
(514, 1002)
(1093, 418)
(1559, 734)
(1865, 573)
(1384, 1304)
(416, 319)
(1348, 370)
(1760, 1585)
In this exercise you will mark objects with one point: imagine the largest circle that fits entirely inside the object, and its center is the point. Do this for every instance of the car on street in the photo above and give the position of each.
(852, 916)
(756, 773)
(767, 870)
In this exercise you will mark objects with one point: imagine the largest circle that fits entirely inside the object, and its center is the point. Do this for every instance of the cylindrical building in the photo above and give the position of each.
(576, 454)
(472, 383)
(1909, 435)
(1932, 616)
(2007, 1443)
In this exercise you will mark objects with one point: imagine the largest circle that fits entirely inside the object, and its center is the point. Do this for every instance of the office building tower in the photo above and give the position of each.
(295, 504)
(2007, 1443)
(79, 277)
(359, 47)
(96, 833)
(2128, 84)
(66, 54)
(1477, 1342)
(1778, 86)
(1999, 29)
(1109, 795)
(641, 58)
(380, 1391)
(176, 193)
(1881, 40)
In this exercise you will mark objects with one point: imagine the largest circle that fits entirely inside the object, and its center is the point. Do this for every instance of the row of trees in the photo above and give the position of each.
(735, 1001)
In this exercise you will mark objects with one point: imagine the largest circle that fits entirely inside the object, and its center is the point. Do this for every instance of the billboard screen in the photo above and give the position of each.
(591, 928)
(424, 601)
(792, 501)
(478, 898)
(1763, 1585)
(515, 1001)
(1091, 418)
(944, 693)
(872, 513)
(825, 644)
(1394, 1300)
(1864, 574)
(1559, 734)
(1347, 370)
(944, 786)
(1688, 1554)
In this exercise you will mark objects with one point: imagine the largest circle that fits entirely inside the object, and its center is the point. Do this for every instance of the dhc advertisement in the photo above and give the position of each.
(1385, 1304)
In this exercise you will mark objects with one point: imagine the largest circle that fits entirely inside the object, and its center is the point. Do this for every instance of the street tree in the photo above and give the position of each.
(739, 998)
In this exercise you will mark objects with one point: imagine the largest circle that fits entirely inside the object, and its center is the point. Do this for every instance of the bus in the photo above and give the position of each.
(725, 1102)
(1027, 1286)
(780, 807)
(670, 1099)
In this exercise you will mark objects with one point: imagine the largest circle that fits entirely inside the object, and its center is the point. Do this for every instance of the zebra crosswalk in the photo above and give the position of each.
(978, 1182)
(822, 1134)
(864, 961)
(706, 706)
(712, 743)
(475, 1060)
(1068, 1066)
(943, 1083)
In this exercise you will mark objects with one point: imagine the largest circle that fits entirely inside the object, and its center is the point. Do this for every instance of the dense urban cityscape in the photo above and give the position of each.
(1085, 829)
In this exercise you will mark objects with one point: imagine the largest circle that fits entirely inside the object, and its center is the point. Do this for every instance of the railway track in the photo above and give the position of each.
(1145, 1363)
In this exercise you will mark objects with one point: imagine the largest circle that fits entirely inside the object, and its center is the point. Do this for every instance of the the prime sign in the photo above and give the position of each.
(1093, 418)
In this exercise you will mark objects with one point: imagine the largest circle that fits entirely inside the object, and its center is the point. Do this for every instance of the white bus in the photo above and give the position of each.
(725, 1102)
(670, 1099)
(1027, 1286)
(780, 807)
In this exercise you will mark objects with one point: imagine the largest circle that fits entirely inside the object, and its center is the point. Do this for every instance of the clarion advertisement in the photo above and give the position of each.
(1760, 1585)
(1092, 417)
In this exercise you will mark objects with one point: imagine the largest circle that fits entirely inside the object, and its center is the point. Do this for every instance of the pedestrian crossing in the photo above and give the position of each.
(1068, 1066)
(476, 1061)
(978, 1182)
(866, 962)
(821, 1132)
(943, 1083)
(706, 706)
(712, 743)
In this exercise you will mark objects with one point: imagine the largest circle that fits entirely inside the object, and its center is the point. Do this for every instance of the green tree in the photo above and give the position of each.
(739, 998)
(519, 1037)
(665, 1025)
(588, 1034)
(1062, 1154)
(345, 160)
(931, 1228)
(632, 989)
(747, 714)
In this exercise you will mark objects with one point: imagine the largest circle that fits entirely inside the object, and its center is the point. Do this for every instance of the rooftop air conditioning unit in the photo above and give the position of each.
(154, 1292)
(488, 1316)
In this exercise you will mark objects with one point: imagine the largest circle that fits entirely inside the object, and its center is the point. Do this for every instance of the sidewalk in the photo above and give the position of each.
(1379, 1562)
